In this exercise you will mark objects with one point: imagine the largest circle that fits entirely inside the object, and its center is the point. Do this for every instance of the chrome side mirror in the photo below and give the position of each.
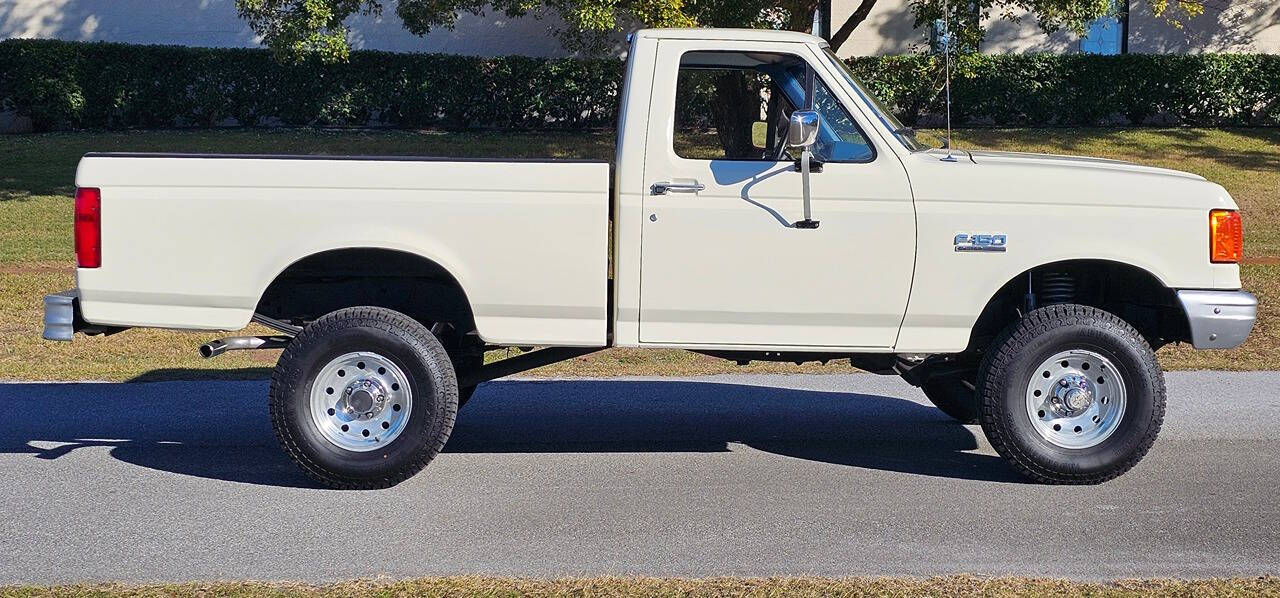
(803, 130)
(802, 133)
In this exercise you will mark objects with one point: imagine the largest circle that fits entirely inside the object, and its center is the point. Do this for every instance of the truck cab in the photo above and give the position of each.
(763, 205)
(725, 265)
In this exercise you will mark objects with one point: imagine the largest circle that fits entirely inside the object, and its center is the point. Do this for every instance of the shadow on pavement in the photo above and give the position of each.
(203, 374)
(220, 430)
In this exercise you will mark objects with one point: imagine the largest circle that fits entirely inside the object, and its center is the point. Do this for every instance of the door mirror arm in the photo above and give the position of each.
(802, 133)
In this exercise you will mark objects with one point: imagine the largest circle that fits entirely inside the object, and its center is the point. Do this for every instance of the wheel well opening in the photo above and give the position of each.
(1130, 292)
(332, 280)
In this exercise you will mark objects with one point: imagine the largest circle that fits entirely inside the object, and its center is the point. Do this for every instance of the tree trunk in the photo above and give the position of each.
(735, 109)
(859, 15)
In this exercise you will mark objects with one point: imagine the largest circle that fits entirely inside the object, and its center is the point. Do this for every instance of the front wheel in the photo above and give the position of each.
(363, 398)
(1071, 394)
(463, 365)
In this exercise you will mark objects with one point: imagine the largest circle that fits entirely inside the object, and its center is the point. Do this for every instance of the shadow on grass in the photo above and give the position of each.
(220, 430)
(45, 163)
(23, 195)
(1202, 143)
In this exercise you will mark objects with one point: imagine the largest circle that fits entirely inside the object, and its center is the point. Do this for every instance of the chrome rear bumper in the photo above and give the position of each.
(60, 315)
(1219, 319)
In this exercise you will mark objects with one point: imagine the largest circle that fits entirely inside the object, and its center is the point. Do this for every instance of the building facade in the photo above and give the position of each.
(215, 24)
(1225, 26)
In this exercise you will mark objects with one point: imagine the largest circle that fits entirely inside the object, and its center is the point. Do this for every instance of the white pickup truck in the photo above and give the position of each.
(1022, 292)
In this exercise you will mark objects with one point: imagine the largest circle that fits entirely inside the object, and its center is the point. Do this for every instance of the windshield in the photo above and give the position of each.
(904, 134)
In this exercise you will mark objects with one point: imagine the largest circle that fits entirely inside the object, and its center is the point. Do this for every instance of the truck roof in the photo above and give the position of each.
(706, 33)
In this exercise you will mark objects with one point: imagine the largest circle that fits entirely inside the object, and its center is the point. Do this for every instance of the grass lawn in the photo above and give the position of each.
(954, 586)
(37, 171)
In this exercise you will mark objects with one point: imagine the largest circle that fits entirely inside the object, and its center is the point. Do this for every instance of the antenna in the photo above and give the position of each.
(946, 54)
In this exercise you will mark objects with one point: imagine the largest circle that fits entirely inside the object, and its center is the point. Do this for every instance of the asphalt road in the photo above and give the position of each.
(737, 475)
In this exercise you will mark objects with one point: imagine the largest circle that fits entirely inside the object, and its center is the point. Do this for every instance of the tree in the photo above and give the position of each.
(295, 28)
(966, 16)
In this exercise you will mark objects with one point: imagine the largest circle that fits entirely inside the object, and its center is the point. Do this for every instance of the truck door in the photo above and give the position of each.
(722, 263)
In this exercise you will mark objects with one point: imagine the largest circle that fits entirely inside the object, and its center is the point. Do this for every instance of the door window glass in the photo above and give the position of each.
(736, 106)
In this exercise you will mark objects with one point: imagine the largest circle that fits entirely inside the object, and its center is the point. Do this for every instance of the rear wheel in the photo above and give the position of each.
(363, 398)
(1071, 394)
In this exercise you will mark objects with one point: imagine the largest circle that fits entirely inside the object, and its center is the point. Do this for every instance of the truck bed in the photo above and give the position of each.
(192, 241)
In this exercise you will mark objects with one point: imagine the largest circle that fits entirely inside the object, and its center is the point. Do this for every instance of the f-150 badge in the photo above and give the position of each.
(967, 242)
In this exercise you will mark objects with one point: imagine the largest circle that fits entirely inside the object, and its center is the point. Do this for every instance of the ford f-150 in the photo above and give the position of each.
(1026, 293)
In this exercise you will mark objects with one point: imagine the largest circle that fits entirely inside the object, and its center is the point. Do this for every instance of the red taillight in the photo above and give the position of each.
(88, 227)
(1226, 237)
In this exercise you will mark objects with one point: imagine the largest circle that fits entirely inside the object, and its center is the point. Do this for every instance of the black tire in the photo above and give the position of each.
(953, 397)
(404, 342)
(1021, 350)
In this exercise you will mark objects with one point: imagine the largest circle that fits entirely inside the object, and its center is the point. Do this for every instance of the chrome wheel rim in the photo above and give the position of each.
(361, 401)
(1076, 399)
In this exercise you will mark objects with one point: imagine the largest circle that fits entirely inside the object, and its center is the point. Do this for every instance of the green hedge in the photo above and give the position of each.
(1082, 89)
(97, 85)
(63, 85)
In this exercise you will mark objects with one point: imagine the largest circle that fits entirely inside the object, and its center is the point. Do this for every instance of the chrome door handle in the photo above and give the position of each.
(664, 187)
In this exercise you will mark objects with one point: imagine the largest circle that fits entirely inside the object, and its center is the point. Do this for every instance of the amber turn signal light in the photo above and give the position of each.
(1226, 237)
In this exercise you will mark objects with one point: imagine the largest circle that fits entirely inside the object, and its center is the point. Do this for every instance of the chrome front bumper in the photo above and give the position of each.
(60, 315)
(1219, 319)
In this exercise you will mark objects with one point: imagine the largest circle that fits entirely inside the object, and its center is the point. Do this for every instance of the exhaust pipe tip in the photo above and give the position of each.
(213, 349)
(239, 343)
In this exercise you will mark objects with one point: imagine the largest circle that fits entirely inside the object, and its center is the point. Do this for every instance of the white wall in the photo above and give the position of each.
(214, 23)
(1225, 26)
(888, 29)
(1024, 35)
